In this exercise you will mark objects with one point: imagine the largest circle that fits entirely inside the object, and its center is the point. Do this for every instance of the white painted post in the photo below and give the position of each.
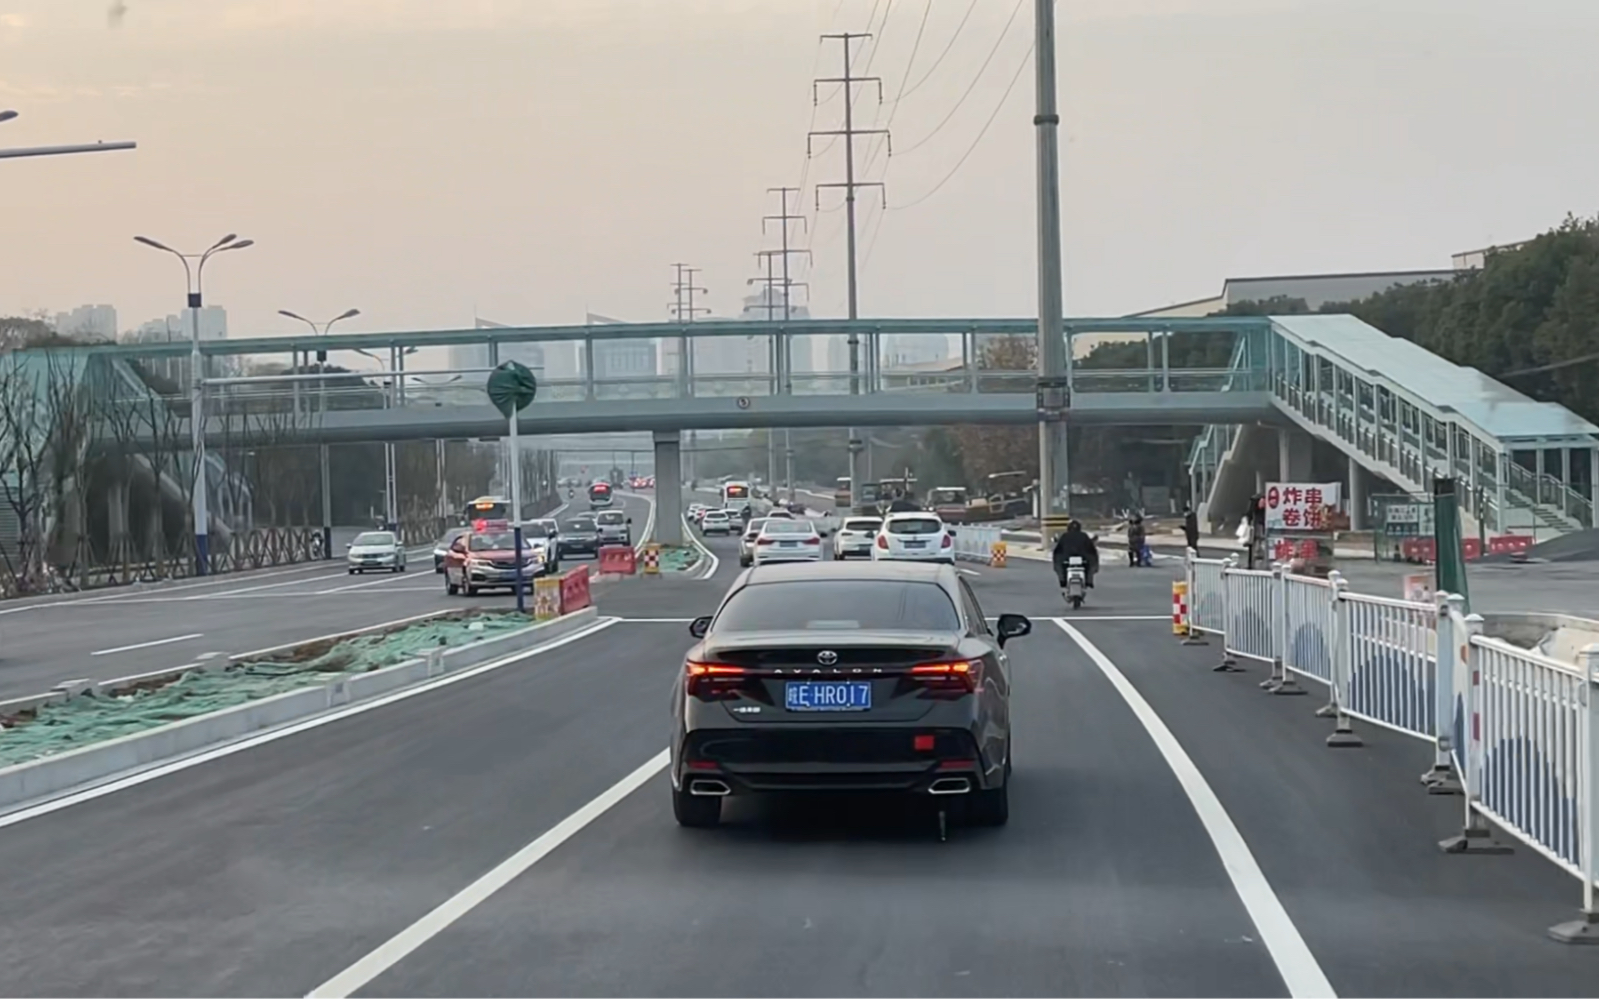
(1475, 836)
(1585, 928)
(1442, 779)
(1343, 667)
(1228, 663)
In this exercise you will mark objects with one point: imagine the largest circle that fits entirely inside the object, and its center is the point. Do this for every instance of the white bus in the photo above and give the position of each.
(735, 494)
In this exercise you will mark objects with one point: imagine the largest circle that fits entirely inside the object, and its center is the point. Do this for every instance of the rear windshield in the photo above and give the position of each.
(374, 538)
(862, 524)
(839, 605)
(914, 525)
(755, 526)
(716, 515)
(611, 518)
(493, 541)
(580, 525)
(787, 527)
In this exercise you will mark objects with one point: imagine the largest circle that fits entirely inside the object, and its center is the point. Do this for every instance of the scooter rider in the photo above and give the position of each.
(1076, 542)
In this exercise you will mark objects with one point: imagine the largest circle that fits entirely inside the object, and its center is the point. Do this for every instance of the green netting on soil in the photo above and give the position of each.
(83, 721)
(678, 559)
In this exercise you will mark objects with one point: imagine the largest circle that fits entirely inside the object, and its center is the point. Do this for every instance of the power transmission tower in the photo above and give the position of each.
(782, 350)
(850, 184)
(684, 310)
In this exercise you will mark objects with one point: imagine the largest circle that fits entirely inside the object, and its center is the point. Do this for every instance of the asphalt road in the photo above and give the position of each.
(279, 868)
(102, 635)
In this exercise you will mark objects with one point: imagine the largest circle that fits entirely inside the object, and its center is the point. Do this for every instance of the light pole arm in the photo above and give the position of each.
(95, 147)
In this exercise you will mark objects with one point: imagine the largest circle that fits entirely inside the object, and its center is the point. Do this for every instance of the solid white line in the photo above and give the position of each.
(1117, 617)
(316, 721)
(268, 586)
(391, 952)
(147, 645)
(971, 572)
(714, 563)
(1288, 950)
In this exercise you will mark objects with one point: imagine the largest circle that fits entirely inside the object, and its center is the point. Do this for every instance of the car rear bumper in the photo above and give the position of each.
(880, 760)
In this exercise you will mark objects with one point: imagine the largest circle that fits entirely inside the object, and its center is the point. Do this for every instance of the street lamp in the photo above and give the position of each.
(322, 407)
(7, 115)
(192, 283)
(390, 466)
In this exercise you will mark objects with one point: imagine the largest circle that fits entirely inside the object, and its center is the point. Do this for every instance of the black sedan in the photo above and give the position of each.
(578, 536)
(881, 677)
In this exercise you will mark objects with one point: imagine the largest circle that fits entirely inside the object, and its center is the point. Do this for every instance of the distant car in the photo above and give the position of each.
(544, 534)
(579, 536)
(781, 514)
(716, 522)
(917, 537)
(861, 678)
(746, 542)
(787, 541)
(375, 550)
(442, 546)
(854, 537)
(616, 527)
(485, 558)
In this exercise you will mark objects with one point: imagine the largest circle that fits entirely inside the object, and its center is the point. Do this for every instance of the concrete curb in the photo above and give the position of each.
(52, 775)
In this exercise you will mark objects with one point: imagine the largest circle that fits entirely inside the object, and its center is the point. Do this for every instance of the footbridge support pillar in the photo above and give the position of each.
(668, 487)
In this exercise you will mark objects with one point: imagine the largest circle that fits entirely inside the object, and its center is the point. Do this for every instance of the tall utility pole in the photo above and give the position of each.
(786, 346)
(1054, 354)
(849, 184)
(684, 310)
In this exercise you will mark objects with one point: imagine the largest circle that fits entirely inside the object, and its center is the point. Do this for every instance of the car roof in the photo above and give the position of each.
(913, 515)
(912, 572)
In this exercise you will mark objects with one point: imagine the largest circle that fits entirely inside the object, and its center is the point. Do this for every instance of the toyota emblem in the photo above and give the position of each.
(827, 657)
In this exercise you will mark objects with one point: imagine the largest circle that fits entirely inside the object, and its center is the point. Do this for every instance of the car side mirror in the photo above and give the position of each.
(1012, 626)
(699, 626)
(951, 531)
(348, 545)
(630, 522)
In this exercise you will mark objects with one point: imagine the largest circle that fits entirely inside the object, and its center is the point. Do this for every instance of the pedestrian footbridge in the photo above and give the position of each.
(1290, 397)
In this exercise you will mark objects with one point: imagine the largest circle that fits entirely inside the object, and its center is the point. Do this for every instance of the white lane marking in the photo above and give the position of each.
(1121, 617)
(714, 563)
(316, 721)
(1288, 950)
(970, 572)
(147, 645)
(267, 586)
(392, 951)
(393, 577)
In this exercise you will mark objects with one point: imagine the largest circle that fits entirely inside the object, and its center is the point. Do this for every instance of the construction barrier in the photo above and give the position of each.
(1509, 544)
(1179, 608)
(575, 590)
(1514, 731)
(996, 555)
(974, 543)
(619, 560)
(546, 598)
(652, 559)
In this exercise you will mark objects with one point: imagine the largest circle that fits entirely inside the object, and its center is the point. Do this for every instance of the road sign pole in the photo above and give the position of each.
(511, 388)
(516, 514)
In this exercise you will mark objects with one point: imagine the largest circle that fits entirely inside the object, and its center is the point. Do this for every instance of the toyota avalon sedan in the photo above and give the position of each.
(873, 677)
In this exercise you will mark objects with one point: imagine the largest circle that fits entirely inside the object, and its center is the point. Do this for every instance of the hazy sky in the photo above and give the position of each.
(529, 159)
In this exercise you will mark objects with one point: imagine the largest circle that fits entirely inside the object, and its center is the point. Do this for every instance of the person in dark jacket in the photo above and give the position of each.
(1135, 541)
(1075, 541)
(1191, 528)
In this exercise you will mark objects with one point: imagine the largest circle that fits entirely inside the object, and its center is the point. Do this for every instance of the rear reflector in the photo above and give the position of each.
(702, 764)
(922, 743)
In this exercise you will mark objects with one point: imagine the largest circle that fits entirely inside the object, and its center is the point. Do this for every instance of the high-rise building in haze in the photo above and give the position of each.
(89, 322)
(213, 326)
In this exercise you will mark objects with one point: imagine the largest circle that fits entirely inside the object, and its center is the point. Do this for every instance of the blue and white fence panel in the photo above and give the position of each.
(975, 544)
(1393, 663)
(1207, 601)
(1309, 606)
(1252, 613)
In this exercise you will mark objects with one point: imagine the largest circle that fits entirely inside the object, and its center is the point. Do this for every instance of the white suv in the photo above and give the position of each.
(716, 522)
(913, 536)
(854, 537)
(787, 541)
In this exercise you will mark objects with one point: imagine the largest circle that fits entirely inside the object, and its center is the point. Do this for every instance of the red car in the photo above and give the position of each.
(484, 558)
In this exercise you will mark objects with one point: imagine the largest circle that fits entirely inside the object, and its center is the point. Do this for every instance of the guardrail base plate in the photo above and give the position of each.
(1479, 841)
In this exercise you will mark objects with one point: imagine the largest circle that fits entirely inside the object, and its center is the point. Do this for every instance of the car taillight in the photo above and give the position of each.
(957, 676)
(763, 541)
(948, 541)
(882, 542)
(712, 681)
(813, 540)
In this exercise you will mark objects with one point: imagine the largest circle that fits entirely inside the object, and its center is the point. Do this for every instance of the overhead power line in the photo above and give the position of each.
(936, 62)
(973, 85)
(975, 142)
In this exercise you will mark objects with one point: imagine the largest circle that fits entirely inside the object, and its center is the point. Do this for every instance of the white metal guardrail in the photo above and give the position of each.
(1514, 732)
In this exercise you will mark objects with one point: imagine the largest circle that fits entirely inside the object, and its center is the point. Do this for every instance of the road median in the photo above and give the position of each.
(82, 735)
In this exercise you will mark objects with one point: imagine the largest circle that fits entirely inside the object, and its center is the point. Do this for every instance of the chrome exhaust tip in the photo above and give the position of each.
(709, 788)
(950, 785)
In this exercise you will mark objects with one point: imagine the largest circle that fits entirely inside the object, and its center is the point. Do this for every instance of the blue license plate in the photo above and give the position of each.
(822, 695)
(915, 544)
